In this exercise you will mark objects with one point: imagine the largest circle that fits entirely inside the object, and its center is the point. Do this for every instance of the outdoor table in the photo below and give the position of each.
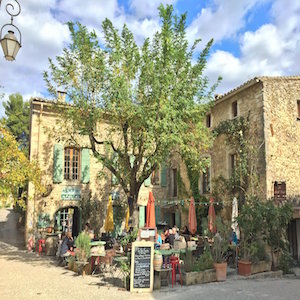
(96, 256)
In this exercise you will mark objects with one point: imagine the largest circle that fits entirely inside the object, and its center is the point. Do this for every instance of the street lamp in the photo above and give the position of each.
(9, 42)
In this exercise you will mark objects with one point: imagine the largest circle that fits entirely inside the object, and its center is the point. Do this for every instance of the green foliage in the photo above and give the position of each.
(258, 251)
(154, 96)
(285, 262)
(15, 169)
(188, 260)
(17, 119)
(129, 238)
(220, 244)
(204, 262)
(83, 247)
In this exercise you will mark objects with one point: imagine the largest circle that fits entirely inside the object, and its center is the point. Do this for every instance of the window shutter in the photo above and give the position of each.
(85, 165)
(157, 214)
(141, 216)
(177, 219)
(163, 175)
(58, 162)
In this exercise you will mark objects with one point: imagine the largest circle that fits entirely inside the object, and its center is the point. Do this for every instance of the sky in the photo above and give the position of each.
(251, 37)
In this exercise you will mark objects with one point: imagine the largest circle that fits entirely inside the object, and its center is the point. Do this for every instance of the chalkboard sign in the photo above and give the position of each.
(142, 266)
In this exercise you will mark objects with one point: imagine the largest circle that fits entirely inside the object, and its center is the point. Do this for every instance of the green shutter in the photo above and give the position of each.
(85, 165)
(157, 214)
(58, 161)
(178, 219)
(163, 175)
(141, 216)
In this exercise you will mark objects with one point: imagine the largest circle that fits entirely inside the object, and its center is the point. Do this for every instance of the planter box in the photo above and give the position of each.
(206, 276)
(261, 266)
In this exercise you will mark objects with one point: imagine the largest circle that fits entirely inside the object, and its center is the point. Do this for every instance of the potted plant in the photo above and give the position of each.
(250, 220)
(128, 239)
(82, 251)
(219, 249)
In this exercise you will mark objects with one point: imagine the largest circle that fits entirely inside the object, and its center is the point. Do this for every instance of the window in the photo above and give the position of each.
(232, 162)
(206, 181)
(155, 177)
(71, 164)
(208, 121)
(234, 108)
(298, 108)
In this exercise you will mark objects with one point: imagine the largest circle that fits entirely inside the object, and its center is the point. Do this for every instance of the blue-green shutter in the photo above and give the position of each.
(58, 162)
(178, 219)
(85, 165)
(157, 214)
(141, 216)
(163, 175)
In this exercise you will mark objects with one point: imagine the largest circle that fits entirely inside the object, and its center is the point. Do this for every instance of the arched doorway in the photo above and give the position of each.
(68, 219)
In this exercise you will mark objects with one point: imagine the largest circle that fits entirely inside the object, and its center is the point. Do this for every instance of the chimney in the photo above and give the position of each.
(61, 96)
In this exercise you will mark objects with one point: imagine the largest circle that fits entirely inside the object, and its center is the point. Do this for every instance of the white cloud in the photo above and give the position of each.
(273, 50)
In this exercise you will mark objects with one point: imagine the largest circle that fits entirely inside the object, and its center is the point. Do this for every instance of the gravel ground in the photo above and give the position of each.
(28, 276)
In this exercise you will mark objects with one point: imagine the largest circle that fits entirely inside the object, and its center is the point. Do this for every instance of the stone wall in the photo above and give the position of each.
(282, 131)
(250, 103)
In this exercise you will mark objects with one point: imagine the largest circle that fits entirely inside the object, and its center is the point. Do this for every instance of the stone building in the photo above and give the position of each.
(272, 105)
(74, 190)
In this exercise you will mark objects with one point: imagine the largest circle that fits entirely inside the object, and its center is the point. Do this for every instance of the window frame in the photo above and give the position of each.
(234, 109)
(206, 180)
(69, 175)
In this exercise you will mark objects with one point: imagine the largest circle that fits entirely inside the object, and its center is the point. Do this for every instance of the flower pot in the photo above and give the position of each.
(157, 261)
(221, 271)
(244, 267)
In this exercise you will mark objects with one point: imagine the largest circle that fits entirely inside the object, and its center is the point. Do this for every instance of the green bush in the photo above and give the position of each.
(204, 262)
(258, 250)
(83, 247)
(285, 261)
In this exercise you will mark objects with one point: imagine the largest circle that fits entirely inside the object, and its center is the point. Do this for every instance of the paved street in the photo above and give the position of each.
(27, 276)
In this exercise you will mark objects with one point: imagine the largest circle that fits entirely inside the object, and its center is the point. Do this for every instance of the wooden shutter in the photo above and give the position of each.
(85, 165)
(157, 214)
(163, 175)
(58, 162)
(178, 219)
(141, 216)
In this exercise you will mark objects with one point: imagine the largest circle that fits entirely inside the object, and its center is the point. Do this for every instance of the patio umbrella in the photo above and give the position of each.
(150, 222)
(109, 220)
(211, 216)
(235, 212)
(192, 217)
(127, 219)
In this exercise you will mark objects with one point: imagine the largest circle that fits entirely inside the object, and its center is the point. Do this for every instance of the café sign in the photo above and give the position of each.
(71, 193)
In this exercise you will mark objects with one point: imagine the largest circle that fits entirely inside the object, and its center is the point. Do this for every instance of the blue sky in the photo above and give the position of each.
(252, 37)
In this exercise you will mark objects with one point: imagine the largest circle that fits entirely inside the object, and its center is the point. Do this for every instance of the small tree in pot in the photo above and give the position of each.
(219, 247)
(82, 251)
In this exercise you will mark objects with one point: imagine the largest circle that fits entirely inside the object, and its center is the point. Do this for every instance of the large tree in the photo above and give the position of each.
(15, 169)
(17, 119)
(154, 97)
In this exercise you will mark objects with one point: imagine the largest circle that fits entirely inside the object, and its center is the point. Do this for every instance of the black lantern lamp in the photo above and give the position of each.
(9, 42)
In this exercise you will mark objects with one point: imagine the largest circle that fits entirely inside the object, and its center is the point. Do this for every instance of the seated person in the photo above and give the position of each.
(158, 241)
(170, 238)
(88, 230)
(175, 232)
(66, 248)
(165, 234)
(185, 230)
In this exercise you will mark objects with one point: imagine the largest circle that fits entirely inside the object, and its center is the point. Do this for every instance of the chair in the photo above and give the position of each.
(42, 246)
(175, 263)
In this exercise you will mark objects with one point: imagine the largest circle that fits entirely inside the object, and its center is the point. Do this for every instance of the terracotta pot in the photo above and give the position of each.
(49, 230)
(244, 267)
(221, 271)
(157, 261)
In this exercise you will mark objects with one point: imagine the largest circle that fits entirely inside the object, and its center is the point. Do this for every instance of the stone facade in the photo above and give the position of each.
(45, 133)
(273, 106)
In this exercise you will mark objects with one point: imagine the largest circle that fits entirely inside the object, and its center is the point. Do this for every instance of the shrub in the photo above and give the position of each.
(83, 247)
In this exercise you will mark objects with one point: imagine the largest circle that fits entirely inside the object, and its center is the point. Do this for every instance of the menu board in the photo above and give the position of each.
(142, 266)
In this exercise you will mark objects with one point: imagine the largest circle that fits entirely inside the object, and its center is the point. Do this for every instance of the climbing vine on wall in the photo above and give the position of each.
(239, 137)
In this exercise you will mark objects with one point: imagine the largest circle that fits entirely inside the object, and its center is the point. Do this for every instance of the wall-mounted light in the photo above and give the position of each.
(9, 43)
